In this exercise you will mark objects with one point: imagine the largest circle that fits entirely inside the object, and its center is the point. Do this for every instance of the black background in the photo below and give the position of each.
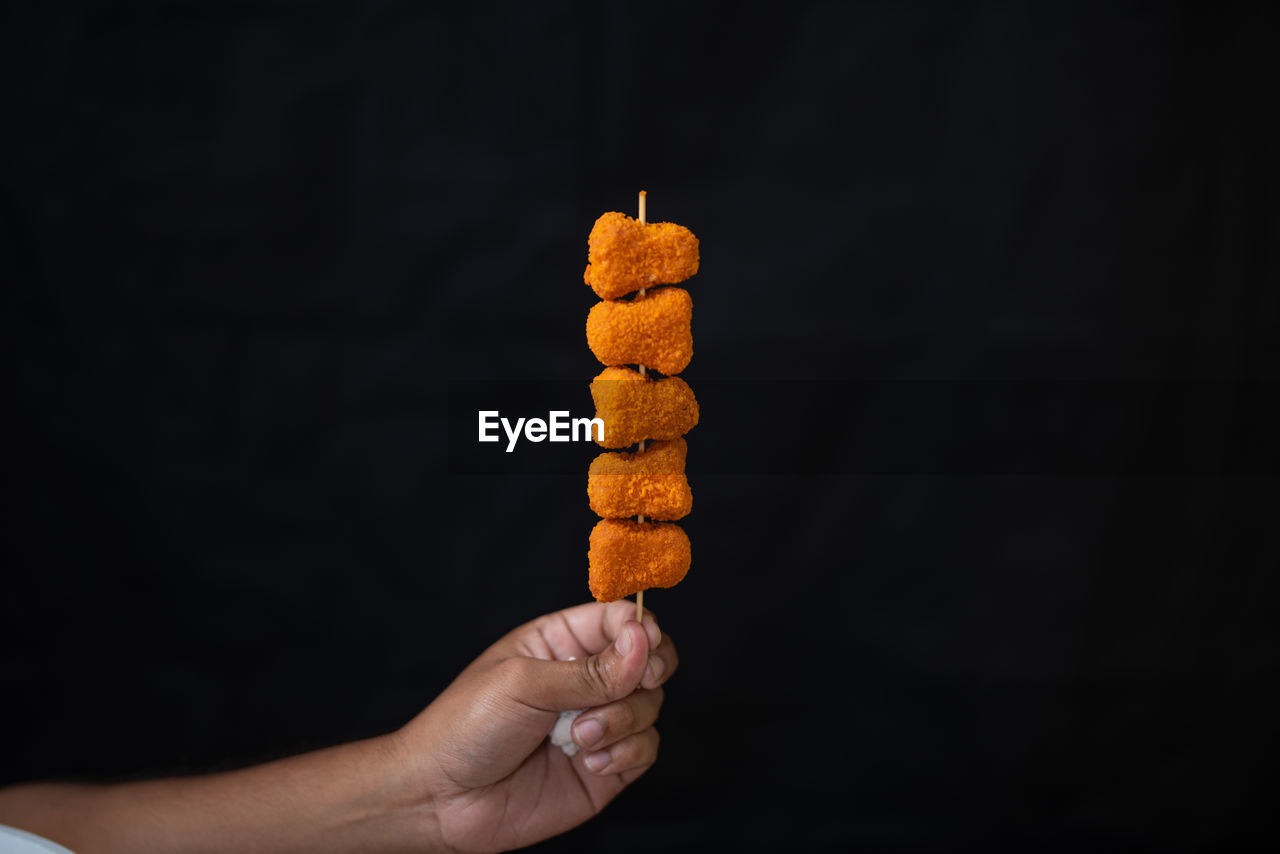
(250, 248)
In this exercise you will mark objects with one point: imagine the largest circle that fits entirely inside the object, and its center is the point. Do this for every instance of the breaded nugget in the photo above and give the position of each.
(624, 256)
(650, 483)
(634, 408)
(626, 557)
(653, 330)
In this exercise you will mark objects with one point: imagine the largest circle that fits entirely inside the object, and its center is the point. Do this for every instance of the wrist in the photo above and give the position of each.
(378, 800)
(411, 794)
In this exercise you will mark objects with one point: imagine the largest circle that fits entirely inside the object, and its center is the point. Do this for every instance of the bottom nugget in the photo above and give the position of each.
(627, 557)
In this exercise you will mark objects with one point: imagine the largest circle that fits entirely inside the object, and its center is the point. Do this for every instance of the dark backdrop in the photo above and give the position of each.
(984, 537)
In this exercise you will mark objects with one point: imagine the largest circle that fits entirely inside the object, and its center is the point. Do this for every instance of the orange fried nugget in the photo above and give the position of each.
(627, 557)
(624, 256)
(633, 407)
(653, 330)
(649, 483)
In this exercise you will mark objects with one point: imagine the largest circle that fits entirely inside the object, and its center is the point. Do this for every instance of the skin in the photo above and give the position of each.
(473, 772)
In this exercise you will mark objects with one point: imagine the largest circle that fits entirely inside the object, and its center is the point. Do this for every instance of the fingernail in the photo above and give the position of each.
(597, 762)
(654, 633)
(588, 732)
(653, 672)
(623, 643)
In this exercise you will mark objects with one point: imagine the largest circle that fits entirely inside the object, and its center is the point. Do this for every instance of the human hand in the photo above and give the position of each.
(481, 747)
(473, 772)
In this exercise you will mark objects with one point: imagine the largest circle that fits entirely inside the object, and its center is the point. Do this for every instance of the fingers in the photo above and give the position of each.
(617, 655)
(595, 625)
(662, 662)
(633, 754)
(593, 681)
(596, 729)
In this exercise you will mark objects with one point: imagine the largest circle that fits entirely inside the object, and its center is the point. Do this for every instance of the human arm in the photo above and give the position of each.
(472, 772)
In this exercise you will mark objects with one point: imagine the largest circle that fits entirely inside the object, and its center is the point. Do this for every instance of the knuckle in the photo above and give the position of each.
(645, 711)
(649, 753)
(658, 695)
(512, 675)
(594, 675)
(624, 718)
(616, 613)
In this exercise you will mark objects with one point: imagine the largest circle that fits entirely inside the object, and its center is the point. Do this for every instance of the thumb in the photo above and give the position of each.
(610, 675)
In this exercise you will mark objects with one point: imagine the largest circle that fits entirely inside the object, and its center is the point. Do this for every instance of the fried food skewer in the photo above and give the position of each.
(640, 518)
(628, 255)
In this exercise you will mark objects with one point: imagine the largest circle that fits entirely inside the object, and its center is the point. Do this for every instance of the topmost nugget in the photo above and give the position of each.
(624, 256)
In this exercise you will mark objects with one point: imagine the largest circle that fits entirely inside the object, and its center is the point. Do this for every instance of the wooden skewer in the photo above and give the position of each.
(640, 595)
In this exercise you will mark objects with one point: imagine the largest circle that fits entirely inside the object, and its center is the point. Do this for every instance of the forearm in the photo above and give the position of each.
(357, 796)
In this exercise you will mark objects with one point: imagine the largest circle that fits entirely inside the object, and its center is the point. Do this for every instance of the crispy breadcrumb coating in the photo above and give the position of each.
(634, 407)
(626, 557)
(653, 330)
(650, 483)
(624, 256)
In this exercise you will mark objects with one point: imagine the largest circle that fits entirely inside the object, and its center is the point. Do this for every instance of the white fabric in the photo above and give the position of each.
(562, 732)
(14, 841)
